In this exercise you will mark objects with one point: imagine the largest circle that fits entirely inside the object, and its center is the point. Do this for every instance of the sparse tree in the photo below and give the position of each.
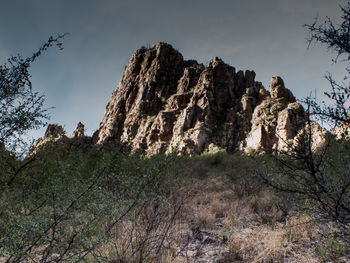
(322, 176)
(336, 37)
(329, 169)
(21, 108)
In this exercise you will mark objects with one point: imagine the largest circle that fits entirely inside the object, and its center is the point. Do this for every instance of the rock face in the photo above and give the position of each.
(79, 130)
(276, 120)
(54, 131)
(56, 136)
(165, 103)
(342, 131)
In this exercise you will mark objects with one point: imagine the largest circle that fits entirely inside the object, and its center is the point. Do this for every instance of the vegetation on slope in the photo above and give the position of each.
(70, 205)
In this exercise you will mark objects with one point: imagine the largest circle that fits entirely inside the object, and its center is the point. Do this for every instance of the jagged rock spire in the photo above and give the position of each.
(166, 103)
(79, 130)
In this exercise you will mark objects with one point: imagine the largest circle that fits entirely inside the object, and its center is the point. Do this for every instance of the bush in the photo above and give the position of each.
(64, 209)
(21, 108)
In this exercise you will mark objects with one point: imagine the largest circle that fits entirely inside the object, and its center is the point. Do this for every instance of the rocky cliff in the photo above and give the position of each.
(165, 103)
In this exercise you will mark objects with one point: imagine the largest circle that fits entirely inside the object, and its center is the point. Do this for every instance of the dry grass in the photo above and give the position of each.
(203, 217)
(259, 245)
(222, 209)
(253, 223)
(285, 243)
(135, 240)
(257, 229)
(209, 204)
(237, 217)
(300, 228)
(219, 208)
(290, 243)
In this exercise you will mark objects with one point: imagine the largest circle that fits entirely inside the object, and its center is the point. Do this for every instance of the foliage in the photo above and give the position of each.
(66, 203)
(64, 206)
(331, 251)
(319, 182)
(329, 169)
(336, 38)
(321, 176)
(21, 108)
(317, 171)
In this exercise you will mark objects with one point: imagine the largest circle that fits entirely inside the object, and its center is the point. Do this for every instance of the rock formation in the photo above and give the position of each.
(79, 130)
(165, 103)
(56, 136)
(276, 120)
(54, 131)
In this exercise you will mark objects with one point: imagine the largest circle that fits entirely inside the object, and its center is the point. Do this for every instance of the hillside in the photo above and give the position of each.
(190, 163)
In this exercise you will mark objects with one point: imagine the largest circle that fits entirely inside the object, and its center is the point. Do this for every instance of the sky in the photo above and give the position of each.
(266, 36)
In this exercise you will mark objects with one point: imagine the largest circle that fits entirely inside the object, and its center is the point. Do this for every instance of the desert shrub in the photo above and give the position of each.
(281, 244)
(63, 208)
(332, 250)
(319, 176)
(21, 108)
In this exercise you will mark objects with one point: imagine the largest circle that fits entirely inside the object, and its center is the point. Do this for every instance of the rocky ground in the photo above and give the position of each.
(225, 227)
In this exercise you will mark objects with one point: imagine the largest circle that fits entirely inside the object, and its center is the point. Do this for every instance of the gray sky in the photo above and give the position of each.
(261, 35)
